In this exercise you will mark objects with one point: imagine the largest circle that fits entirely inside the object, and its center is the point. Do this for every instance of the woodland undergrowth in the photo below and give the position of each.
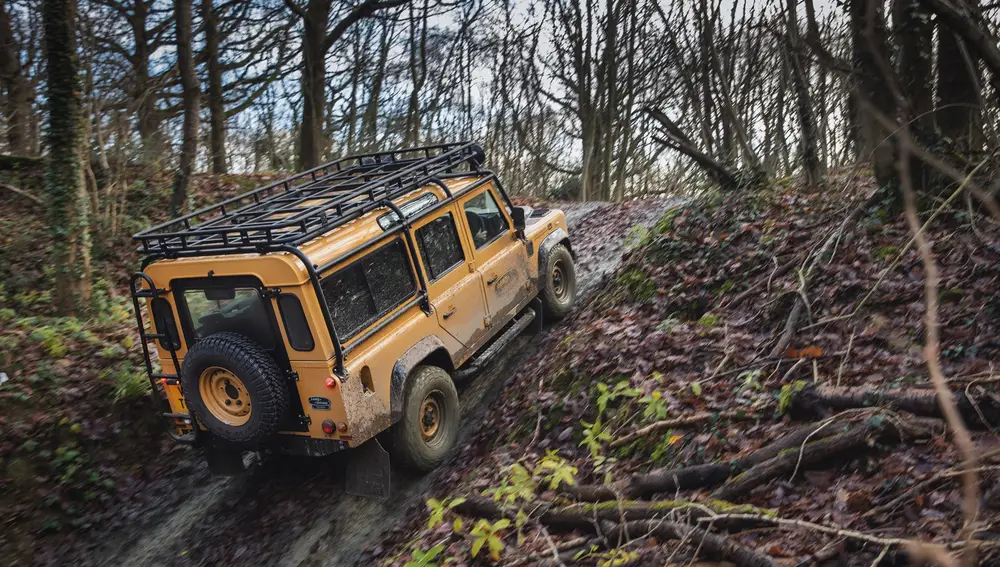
(749, 386)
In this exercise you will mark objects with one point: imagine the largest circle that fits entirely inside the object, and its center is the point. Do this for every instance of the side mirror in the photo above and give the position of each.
(517, 213)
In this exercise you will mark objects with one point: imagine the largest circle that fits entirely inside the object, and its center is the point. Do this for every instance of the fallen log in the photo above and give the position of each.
(856, 437)
(977, 412)
(714, 546)
(791, 459)
(695, 476)
(624, 521)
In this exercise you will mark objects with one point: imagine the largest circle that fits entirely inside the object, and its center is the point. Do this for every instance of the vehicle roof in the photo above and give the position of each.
(287, 214)
(283, 268)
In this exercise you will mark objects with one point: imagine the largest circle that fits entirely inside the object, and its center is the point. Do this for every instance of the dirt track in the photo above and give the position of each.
(293, 511)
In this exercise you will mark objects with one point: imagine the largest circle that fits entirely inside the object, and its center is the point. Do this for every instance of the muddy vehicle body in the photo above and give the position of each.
(310, 315)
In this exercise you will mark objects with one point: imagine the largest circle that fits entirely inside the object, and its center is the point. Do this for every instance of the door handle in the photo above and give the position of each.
(450, 313)
(492, 280)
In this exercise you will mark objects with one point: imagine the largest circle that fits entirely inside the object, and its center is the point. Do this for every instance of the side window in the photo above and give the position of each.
(485, 219)
(294, 318)
(369, 288)
(439, 246)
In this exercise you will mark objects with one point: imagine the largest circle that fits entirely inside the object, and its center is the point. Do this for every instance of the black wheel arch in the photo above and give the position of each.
(429, 350)
(557, 237)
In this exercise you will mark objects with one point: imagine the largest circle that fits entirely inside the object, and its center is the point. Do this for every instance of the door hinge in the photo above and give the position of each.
(271, 292)
(292, 375)
(472, 267)
(305, 419)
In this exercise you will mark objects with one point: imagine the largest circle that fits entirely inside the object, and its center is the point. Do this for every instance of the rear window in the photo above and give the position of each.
(367, 289)
(229, 309)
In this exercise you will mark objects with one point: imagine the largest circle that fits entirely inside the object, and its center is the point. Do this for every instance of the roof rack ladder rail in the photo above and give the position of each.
(134, 291)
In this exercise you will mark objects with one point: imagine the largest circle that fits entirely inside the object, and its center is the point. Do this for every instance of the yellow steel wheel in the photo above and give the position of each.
(225, 396)
(430, 415)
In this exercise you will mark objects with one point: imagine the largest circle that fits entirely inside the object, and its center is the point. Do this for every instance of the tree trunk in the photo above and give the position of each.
(871, 64)
(313, 83)
(17, 106)
(799, 73)
(418, 76)
(369, 120)
(64, 186)
(190, 94)
(144, 96)
(914, 34)
(959, 114)
(216, 107)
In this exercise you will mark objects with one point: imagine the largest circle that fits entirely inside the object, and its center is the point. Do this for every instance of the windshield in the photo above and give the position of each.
(229, 309)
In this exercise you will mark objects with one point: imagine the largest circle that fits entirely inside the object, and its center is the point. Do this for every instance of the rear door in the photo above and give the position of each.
(499, 256)
(456, 290)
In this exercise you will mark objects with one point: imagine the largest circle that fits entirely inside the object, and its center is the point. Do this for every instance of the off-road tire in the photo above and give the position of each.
(558, 298)
(409, 448)
(265, 384)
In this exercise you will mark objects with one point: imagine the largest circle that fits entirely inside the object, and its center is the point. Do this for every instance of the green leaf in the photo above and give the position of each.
(477, 545)
(696, 388)
(501, 524)
(496, 546)
(456, 502)
(457, 524)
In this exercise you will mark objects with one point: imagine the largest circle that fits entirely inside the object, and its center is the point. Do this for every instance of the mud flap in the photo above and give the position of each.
(368, 471)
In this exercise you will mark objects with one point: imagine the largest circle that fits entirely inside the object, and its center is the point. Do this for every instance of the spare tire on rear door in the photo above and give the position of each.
(235, 388)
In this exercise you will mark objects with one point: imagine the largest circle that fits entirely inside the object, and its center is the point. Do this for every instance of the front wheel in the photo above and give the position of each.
(558, 283)
(428, 428)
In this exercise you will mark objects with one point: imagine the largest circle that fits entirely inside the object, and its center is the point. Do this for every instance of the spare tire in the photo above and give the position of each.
(235, 389)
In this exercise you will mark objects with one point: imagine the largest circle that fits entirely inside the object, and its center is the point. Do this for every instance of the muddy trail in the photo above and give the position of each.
(293, 511)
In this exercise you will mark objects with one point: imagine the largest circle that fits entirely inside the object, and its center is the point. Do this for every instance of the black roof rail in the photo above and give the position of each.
(297, 209)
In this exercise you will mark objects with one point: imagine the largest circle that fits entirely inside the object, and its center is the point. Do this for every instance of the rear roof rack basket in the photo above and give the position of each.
(297, 209)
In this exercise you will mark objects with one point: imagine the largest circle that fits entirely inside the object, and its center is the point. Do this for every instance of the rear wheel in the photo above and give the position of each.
(429, 426)
(558, 283)
(235, 389)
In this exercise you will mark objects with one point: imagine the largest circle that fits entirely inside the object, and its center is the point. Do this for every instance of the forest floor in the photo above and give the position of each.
(672, 417)
(749, 387)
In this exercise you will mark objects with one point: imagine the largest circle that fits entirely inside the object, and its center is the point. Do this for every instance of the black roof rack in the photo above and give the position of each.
(295, 210)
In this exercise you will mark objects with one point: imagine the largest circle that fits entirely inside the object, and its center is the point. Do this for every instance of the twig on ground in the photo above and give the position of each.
(843, 361)
(671, 423)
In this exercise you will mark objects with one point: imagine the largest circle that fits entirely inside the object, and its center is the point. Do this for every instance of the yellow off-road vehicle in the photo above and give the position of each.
(311, 315)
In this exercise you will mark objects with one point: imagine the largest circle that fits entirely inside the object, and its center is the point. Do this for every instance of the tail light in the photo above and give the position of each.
(329, 427)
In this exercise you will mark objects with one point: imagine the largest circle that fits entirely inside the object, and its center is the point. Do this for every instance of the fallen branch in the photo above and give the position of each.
(713, 545)
(918, 402)
(672, 423)
(625, 521)
(810, 454)
(695, 476)
(806, 275)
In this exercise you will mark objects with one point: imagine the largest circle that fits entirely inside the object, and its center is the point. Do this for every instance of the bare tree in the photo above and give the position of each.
(191, 95)
(317, 39)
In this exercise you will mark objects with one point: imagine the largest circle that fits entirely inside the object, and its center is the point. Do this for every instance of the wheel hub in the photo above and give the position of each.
(430, 417)
(225, 396)
(558, 283)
